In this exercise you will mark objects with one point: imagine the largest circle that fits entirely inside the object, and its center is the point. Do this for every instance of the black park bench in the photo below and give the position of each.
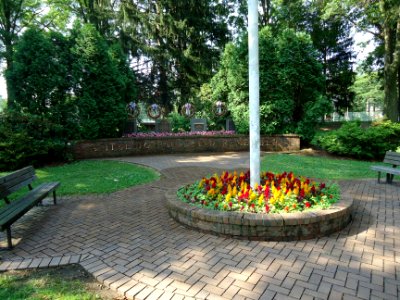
(13, 210)
(392, 158)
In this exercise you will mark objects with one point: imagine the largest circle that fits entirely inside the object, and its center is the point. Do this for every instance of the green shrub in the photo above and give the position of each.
(291, 84)
(26, 140)
(368, 143)
(178, 122)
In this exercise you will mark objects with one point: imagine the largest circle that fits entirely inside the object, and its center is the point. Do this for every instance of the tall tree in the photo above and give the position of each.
(182, 41)
(291, 83)
(103, 85)
(382, 19)
(14, 14)
(331, 37)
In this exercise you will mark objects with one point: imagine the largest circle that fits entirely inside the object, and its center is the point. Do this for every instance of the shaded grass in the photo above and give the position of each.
(92, 177)
(67, 283)
(318, 166)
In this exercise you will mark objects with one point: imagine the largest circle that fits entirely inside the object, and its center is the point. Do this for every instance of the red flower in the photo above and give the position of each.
(266, 192)
(267, 208)
(307, 204)
(230, 204)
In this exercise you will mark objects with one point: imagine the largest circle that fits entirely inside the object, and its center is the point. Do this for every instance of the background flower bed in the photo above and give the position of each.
(178, 134)
(276, 193)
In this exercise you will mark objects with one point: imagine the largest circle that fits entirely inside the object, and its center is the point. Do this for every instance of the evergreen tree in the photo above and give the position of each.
(102, 84)
(39, 76)
(331, 37)
(182, 42)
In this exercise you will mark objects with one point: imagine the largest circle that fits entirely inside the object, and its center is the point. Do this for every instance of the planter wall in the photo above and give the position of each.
(186, 144)
(276, 227)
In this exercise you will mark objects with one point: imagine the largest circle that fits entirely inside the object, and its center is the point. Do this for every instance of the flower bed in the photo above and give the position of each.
(282, 207)
(276, 193)
(179, 134)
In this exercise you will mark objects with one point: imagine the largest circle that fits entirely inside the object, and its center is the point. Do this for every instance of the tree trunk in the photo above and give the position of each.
(391, 108)
(392, 64)
(9, 65)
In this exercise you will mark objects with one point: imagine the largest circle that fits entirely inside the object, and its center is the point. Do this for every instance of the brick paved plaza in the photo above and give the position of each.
(129, 243)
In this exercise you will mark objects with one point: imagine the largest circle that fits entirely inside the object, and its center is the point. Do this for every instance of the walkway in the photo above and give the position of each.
(128, 242)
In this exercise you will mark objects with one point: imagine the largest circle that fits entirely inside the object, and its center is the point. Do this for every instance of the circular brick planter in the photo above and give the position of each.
(279, 227)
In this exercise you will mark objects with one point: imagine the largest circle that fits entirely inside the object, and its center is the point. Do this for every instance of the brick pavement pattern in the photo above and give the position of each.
(129, 243)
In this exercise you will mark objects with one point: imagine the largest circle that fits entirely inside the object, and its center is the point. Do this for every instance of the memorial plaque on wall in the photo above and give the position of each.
(130, 126)
(230, 126)
(163, 126)
(198, 125)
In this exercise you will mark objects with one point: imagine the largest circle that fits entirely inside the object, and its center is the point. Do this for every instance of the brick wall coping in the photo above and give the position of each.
(277, 226)
(129, 146)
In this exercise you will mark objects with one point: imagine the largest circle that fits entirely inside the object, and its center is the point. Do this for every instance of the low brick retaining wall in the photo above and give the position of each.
(277, 227)
(183, 144)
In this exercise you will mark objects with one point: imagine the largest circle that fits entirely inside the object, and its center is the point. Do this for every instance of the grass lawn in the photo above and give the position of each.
(318, 167)
(96, 176)
(93, 177)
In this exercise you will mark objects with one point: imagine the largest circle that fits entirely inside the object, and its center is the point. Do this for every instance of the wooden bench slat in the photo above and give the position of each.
(386, 169)
(14, 181)
(9, 212)
(16, 212)
(18, 173)
(393, 159)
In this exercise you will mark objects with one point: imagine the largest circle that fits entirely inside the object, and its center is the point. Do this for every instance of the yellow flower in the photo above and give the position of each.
(234, 191)
(228, 197)
(261, 199)
(211, 192)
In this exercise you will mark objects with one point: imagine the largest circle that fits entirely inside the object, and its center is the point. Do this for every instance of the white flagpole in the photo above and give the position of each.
(254, 92)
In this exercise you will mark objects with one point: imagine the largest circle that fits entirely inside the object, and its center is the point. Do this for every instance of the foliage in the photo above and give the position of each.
(291, 84)
(181, 42)
(179, 123)
(28, 139)
(276, 193)
(368, 143)
(101, 88)
(14, 15)
(323, 168)
(3, 104)
(40, 80)
(368, 91)
(380, 18)
(66, 88)
(331, 37)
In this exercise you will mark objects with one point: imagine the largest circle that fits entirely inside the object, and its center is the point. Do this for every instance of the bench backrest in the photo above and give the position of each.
(15, 180)
(392, 158)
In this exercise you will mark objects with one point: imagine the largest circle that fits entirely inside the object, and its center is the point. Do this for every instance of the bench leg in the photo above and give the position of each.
(379, 177)
(9, 240)
(54, 197)
(389, 178)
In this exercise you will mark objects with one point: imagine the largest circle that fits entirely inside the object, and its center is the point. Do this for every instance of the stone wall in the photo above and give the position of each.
(187, 144)
(275, 227)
